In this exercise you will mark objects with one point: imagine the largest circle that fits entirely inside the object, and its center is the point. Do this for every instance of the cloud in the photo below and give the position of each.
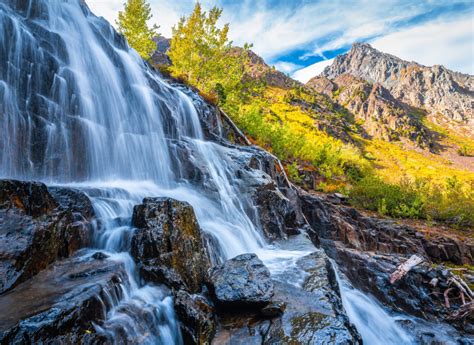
(448, 43)
(287, 67)
(305, 74)
(299, 32)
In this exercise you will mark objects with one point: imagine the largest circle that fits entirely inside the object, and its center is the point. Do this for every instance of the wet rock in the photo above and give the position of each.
(197, 317)
(279, 213)
(73, 199)
(100, 256)
(35, 231)
(312, 312)
(415, 293)
(242, 282)
(169, 238)
(60, 305)
(30, 198)
(336, 222)
(273, 309)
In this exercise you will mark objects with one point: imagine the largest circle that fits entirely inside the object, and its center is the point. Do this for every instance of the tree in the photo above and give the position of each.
(202, 54)
(132, 23)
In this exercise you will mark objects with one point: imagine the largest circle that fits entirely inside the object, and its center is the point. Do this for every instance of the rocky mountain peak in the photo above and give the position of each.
(436, 89)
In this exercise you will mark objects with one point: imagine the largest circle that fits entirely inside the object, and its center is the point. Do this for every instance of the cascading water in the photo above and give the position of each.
(79, 108)
(87, 112)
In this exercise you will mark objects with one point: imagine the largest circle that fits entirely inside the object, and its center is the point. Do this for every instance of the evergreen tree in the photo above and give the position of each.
(132, 23)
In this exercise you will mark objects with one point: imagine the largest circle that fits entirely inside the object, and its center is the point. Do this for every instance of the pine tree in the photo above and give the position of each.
(132, 23)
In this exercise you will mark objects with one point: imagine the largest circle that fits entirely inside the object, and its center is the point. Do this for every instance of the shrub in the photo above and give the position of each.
(452, 202)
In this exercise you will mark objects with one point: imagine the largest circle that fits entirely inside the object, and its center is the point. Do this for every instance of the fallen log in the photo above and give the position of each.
(465, 311)
(405, 267)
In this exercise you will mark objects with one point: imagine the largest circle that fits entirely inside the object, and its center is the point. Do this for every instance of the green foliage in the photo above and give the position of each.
(389, 199)
(293, 173)
(465, 151)
(132, 23)
(202, 55)
(451, 202)
(289, 139)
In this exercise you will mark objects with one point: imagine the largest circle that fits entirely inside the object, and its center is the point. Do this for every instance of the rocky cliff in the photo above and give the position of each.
(435, 89)
(381, 115)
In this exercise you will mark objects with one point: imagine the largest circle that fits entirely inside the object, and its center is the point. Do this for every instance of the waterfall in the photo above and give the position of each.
(79, 108)
(372, 321)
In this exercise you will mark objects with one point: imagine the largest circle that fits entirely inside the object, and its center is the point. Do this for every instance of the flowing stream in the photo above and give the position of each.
(79, 108)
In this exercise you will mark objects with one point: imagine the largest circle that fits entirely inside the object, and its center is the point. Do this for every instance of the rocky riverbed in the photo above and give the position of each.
(56, 291)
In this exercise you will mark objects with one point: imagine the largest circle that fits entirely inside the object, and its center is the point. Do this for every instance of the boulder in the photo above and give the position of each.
(420, 292)
(309, 312)
(242, 282)
(197, 317)
(35, 231)
(168, 245)
(62, 304)
(278, 213)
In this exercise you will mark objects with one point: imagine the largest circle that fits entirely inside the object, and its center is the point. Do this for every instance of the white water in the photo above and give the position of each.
(372, 321)
(79, 108)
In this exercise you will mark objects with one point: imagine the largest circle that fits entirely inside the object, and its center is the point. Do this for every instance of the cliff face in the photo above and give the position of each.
(436, 89)
(381, 115)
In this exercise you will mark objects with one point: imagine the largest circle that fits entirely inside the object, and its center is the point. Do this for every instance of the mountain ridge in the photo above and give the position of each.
(436, 89)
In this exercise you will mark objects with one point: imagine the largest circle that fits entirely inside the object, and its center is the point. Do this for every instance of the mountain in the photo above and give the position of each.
(380, 114)
(445, 95)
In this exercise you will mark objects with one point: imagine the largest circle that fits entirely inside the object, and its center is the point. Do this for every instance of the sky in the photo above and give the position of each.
(301, 37)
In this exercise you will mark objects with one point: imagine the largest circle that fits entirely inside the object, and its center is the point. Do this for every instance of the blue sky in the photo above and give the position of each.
(300, 37)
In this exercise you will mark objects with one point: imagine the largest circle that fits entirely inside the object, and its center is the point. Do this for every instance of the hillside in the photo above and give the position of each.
(436, 89)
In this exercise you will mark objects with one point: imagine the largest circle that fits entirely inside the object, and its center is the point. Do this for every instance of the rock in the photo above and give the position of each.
(100, 256)
(279, 213)
(414, 293)
(30, 198)
(312, 312)
(159, 57)
(73, 199)
(274, 309)
(335, 222)
(435, 88)
(35, 231)
(381, 115)
(169, 238)
(197, 316)
(242, 282)
(60, 305)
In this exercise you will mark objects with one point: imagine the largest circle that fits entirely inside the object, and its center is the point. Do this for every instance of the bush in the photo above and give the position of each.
(452, 202)
(388, 199)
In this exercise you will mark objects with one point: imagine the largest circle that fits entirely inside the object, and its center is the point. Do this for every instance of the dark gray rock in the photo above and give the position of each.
(197, 317)
(273, 309)
(60, 305)
(310, 313)
(168, 245)
(242, 282)
(35, 231)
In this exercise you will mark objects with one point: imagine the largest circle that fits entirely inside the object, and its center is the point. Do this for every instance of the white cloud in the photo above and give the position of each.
(166, 13)
(286, 67)
(277, 29)
(305, 74)
(448, 43)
